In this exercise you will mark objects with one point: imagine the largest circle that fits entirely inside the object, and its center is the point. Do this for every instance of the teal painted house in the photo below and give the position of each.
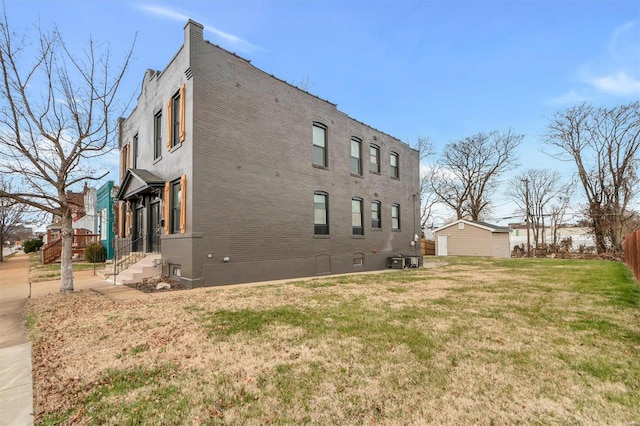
(106, 213)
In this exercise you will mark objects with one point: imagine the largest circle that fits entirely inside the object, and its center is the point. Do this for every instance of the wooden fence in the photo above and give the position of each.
(428, 248)
(632, 252)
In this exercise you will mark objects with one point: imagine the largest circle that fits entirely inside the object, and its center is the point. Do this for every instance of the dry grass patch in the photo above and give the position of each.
(39, 272)
(474, 342)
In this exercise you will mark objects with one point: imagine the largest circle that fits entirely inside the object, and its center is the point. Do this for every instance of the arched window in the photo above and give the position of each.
(395, 217)
(376, 219)
(319, 155)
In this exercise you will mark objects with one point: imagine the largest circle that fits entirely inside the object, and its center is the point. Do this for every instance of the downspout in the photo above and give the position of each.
(415, 243)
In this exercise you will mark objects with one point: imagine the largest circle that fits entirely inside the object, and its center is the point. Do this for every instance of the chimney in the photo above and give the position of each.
(193, 31)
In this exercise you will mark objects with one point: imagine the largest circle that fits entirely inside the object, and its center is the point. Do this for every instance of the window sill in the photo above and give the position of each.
(175, 147)
(376, 229)
(358, 237)
(395, 178)
(321, 236)
(374, 173)
(357, 175)
(318, 166)
(157, 160)
(396, 230)
(179, 235)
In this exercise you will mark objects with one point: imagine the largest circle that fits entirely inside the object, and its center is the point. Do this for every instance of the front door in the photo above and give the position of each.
(442, 245)
(138, 230)
(154, 227)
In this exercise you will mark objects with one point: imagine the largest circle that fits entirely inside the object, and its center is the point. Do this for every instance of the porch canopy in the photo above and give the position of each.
(138, 182)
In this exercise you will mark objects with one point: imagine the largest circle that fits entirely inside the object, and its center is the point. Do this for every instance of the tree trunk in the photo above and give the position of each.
(66, 262)
(1, 243)
(596, 213)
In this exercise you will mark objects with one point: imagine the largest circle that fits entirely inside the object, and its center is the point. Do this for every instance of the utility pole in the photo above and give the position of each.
(526, 197)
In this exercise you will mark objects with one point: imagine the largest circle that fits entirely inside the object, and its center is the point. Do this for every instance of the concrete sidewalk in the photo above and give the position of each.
(16, 383)
(16, 394)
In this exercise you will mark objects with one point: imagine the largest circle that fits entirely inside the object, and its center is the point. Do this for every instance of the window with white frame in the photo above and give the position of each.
(356, 216)
(356, 156)
(321, 213)
(395, 165)
(374, 162)
(395, 217)
(376, 222)
(319, 155)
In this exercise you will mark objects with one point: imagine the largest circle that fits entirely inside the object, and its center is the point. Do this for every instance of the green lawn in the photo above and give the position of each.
(478, 341)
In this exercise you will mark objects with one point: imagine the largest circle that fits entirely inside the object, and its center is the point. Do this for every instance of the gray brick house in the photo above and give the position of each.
(235, 176)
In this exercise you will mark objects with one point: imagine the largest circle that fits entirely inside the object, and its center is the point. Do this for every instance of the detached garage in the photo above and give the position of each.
(469, 238)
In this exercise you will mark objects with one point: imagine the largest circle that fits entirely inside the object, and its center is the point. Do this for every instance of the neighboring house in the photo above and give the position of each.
(106, 214)
(469, 238)
(84, 223)
(235, 176)
(87, 218)
(581, 237)
(83, 215)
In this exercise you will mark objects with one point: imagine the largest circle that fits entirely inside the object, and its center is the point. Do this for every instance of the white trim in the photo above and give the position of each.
(470, 223)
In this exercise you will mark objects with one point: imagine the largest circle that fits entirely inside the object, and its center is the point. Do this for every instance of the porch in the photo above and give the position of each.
(53, 250)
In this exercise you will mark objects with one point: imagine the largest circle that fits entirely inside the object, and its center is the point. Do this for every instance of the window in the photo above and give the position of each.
(375, 215)
(175, 122)
(395, 217)
(134, 152)
(319, 145)
(321, 213)
(122, 219)
(103, 224)
(374, 152)
(395, 167)
(176, 198)
(356, 156)
(175, 206)
(356, 216)
(175, 118)
(157, 135)
(128, 219)
(358, 260)
(175, 270)
(124, 161)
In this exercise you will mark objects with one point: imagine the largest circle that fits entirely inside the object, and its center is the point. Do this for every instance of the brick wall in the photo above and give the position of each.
(250, 178)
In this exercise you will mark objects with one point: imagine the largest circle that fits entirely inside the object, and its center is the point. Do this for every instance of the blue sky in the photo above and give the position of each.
(443, 69)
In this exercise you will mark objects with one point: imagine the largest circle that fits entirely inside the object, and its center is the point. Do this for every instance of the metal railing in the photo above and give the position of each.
(124, 255)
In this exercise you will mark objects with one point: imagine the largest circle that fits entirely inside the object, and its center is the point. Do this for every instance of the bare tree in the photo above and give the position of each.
(467, 174)
(428, 199)
(537, 189)
(56, 115)
(12, 215)
(429, 202)
(604, 144)
(557, 210)
(305, 83)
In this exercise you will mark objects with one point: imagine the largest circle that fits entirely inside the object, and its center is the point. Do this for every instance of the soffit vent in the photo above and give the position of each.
(188, 73)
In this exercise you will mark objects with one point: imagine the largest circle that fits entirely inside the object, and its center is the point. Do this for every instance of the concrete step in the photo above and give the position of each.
(138, 271)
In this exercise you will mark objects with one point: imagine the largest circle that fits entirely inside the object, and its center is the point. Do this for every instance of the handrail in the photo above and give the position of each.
(124, 255)
(52, 251)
